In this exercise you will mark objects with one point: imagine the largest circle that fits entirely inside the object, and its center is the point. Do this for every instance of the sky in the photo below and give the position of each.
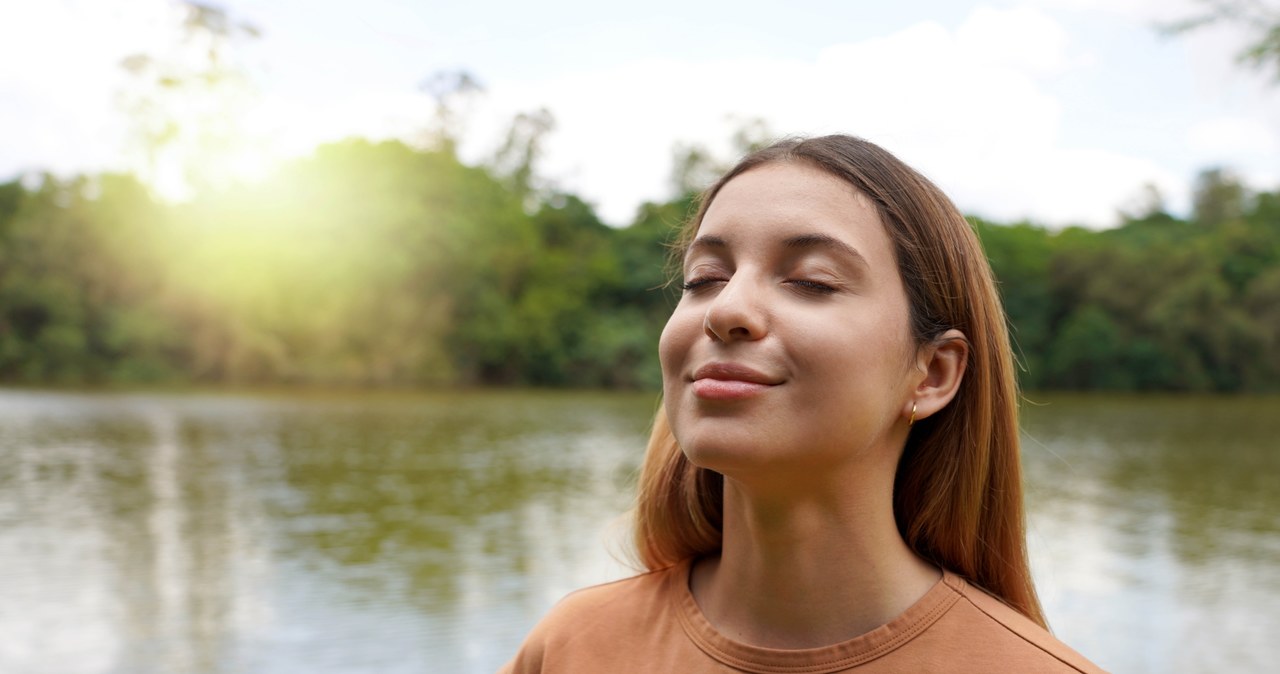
(1058, 111)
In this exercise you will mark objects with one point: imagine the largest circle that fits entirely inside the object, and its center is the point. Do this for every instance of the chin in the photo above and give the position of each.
(730, 454)
(718, 458)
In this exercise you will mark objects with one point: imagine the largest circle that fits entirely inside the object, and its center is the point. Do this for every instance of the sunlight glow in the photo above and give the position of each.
(178, 172)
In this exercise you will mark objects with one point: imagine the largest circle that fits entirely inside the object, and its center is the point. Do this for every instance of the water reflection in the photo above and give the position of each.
(452, 506)
(140, 545)
(1154, 528)
(408, 533)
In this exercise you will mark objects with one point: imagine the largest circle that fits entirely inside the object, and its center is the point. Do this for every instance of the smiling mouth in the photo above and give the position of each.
(730, 381)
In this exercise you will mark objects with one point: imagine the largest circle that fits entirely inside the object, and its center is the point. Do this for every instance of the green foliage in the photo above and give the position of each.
(1155, 304)
(377, 264)
(366, 264)
(78, 276)
(1219, 198)
(1087, 352)
(1020, 256)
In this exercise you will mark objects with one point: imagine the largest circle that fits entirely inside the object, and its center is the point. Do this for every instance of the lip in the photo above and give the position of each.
(733, 372)
(730, 381)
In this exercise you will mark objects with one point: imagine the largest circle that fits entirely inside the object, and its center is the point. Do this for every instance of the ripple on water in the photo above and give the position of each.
(427, 532)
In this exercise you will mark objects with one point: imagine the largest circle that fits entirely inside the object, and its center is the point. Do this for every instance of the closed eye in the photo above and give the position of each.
(812, 286)
(702, 282)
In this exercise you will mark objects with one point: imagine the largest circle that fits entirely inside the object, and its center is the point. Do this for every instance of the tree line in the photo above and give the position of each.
(379, 264)
(1158, 303)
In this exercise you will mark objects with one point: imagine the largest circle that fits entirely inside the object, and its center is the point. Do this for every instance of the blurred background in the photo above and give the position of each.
(328, 330)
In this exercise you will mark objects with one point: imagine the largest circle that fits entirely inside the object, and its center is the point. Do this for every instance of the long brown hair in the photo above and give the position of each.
(958, 489)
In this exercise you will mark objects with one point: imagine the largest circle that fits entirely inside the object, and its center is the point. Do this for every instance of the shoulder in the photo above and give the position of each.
(991, 629)
(611, 613)
(619, 598)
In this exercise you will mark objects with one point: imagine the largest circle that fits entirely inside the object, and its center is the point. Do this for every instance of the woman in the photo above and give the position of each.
(833, 482)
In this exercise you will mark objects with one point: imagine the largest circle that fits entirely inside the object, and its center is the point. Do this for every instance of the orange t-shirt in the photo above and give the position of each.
(651, 623)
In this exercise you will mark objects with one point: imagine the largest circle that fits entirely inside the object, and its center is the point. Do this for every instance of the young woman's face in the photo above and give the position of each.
(790, 348)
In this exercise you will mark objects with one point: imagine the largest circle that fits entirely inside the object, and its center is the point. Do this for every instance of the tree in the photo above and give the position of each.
(454, 92)
(1088, 352)
(1020, 256)
(695, 167)
(515, 161)
(185, 103)
(1262, 20)
(1219, 196)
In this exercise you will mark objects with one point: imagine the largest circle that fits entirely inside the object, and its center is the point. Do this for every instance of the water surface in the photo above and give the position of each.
(218, 534)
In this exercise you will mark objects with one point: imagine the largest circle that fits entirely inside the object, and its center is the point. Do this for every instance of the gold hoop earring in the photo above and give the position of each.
(912, 420)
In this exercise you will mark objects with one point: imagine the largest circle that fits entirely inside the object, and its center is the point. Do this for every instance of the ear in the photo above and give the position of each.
(941, 365)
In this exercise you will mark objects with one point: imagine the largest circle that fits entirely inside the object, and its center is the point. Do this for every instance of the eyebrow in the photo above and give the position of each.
(706, 242)
(804, 241)
(800, 242)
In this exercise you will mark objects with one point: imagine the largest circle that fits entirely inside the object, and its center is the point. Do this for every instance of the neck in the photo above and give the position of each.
(824, 565)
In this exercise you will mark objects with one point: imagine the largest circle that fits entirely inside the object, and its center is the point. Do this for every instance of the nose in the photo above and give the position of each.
(736, 313)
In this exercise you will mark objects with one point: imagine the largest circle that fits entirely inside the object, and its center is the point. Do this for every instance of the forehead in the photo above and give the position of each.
(778, 201)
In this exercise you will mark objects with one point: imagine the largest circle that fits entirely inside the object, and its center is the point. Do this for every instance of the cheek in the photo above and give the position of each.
(674, 343)
(852, 352)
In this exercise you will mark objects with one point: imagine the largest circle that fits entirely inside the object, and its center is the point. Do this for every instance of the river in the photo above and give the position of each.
(280, 533)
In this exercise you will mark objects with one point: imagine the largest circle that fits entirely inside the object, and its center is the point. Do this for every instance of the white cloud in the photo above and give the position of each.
(966, 106)
(1232, 136)
(1022, 38)
(1063, 186)
(63, 73)
(1211, 50)
(973, 105)
(1161, 11)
